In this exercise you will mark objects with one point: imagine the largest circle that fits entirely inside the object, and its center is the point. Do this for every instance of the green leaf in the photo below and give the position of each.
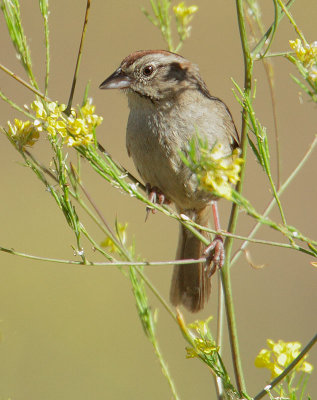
(255, 150)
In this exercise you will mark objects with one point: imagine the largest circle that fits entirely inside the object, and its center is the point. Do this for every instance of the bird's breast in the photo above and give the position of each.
(154, 141)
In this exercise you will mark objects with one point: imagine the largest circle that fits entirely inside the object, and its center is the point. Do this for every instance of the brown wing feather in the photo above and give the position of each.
(232, 130)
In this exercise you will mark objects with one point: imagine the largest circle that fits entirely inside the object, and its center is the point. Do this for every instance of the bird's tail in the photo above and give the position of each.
(190, 283)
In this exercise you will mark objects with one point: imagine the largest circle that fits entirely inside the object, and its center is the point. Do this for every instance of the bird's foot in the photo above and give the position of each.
(215, 255)
(155, 196)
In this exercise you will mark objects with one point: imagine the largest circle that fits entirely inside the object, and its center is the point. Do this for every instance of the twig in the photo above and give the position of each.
(91, 201)
(123, 169)
(70, 101)
(15, 106)
(268, 68)
(23, 82)
(291, 19)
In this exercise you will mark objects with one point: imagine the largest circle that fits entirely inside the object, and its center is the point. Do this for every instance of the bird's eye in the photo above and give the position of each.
(148, 70)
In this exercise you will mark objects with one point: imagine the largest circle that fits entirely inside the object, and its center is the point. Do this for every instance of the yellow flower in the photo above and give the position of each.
(53, 110)
(23, 133)
(220, 172)
(183, 16)
(87, 112)
(183, 12)
(110, 245)
(307, 54)
(38, 107)
(78, 132)
(279, 355)
(201, 339)
(313, 73)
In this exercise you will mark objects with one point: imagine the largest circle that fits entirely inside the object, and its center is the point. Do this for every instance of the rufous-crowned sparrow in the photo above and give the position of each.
(169, 103)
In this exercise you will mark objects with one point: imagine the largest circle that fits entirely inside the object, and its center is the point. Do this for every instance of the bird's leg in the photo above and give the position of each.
(155, 196)
(215, 252)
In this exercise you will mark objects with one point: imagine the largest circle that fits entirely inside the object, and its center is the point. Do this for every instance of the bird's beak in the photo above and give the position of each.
(118, 80)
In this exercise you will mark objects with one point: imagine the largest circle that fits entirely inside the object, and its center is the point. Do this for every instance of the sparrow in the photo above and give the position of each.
(169, 103)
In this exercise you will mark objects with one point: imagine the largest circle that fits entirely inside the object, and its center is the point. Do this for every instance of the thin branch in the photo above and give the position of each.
(70, 101)
(91, 201)
(122, 168)
(292, 21)
(101, 264)
(154, 290)
(23, 82)
(15, 106)
(268, 68)
(45, 14)
(274, 27)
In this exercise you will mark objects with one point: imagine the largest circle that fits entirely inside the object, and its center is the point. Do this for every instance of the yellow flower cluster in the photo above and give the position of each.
(279, 355)
(22, 133)
(75, 129)
(307, 54)
(184, 15)
(202, 342)
(220, 172)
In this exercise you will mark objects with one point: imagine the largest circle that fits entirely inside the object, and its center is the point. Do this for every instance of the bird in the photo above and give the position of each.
(169, 103)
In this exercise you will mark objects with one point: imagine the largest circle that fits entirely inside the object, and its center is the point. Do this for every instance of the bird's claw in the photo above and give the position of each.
(155, 196)
(215, 255)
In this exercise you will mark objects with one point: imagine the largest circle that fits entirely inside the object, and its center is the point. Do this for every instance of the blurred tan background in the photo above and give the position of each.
(72, 332)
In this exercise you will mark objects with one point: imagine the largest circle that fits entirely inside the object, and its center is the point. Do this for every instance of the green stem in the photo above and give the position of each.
(153, 288)
(164, 367)
(225, 271)
(269, 73)
(168, 30)
(30, 256)
(278, 54)
(23, 82)
(47, 46)
(292, 21)
(15, 106)
(97, 247)
(274, 27)
(277, 199)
